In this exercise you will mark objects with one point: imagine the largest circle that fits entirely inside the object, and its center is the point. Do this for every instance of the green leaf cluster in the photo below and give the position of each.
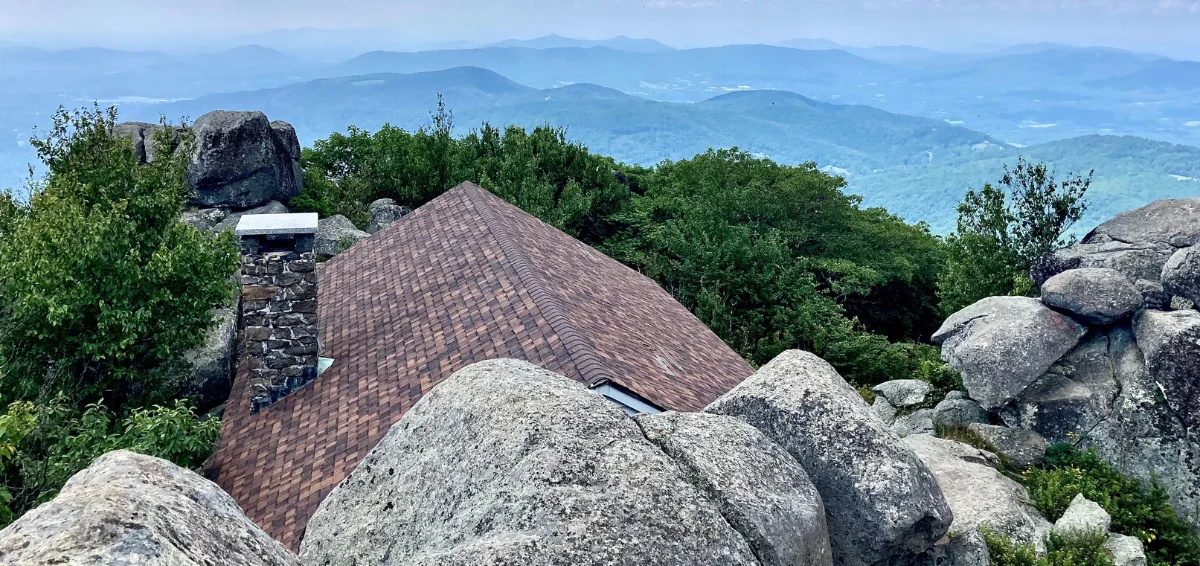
(101, 287)
(1003, 229)
(43, 445)
(1138, 509)
(1075, 549)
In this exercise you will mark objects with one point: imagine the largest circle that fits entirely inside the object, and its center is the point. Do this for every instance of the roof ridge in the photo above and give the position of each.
(580, 349)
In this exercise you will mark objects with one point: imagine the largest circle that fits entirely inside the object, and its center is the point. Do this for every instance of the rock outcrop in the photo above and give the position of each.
(1024, 448)
(758, 487)
(507, 463)
(978, 494)
(1001, 345)
(128, 508)
(881, 502)
(1094, 295)
(241, 160)
(211, 376)
(1131, 388)
(384, 212)
(336, 234)
(903, 393)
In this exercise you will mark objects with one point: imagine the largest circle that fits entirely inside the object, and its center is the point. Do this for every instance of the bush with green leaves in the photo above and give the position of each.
(42, 446)
(1137, 509)
(102, 289)
(1003, 229)
(1075, 549)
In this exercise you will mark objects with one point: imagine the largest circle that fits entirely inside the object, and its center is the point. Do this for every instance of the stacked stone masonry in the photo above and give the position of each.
(279, 315)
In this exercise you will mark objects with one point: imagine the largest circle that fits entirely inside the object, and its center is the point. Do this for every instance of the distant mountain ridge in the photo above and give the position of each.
(913, 166)
(619, 43)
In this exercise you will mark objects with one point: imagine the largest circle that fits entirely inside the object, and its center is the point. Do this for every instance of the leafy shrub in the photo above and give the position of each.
(102, 289)
(1137, 509)
(1070, 550)
(1003, 229)
(42, 446)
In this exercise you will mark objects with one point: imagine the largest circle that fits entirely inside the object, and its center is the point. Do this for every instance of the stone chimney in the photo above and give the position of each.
(279, 304)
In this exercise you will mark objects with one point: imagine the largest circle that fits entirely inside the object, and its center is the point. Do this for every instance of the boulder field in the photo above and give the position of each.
(1108, 357)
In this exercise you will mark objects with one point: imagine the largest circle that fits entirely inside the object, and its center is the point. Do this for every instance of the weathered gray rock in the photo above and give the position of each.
(1181, 274)
(1135, 261)
(1125, 550)
(385, 212)
(1083, 516)
(1074, 395)
(212, 363)
(1171, 344)
(916, 422)
(1182, 304)
(881, 502)
(335, 235)
(1141, 436)
(1174, 222)
(760, 489)
(239, 161)
(1095, 295)
(127, 508)
(979, 495)
(957, 395)
(904, 392)
(884, 410)
(204, 219)
(285, 136)
(507, 463)
(1024, 448)
(1154, 296)
(230, 222)
(134, 132)
(1001, 345)
(967, 549)
(958, 413)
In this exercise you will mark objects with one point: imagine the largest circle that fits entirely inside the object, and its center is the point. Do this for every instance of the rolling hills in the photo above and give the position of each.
(916, 167)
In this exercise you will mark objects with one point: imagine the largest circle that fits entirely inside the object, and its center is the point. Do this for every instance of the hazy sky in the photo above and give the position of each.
(933, 23)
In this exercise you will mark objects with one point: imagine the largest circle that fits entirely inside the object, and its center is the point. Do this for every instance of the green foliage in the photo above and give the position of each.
(773, 258)
(1003, 229)
(1138, 510)
(42, 446)
(101, 287)
(1061, 550)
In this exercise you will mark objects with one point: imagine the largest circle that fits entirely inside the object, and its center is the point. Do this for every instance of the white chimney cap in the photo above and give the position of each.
(267, 224)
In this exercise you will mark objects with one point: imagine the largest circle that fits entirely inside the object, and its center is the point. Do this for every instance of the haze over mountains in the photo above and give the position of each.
(910, 128)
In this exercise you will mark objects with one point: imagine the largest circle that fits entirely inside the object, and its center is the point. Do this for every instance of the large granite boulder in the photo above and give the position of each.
(958, 413)
(212, 364)
(1137, 243)
(1001, 345)
(1024, 448)
(760, 489)
(127, 508)
(336, 234)
(881, 503)
(1075, 394)
(145, 139)
(1135, 261)
(241, 161)
(384, 213)
(978, 494)
(903, 393)
(1171, 344)
(1173, 222)
(1181, 274)
(1094, 295)
(507, 463)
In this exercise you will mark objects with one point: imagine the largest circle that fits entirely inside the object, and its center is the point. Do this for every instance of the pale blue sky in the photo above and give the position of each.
(932, 23)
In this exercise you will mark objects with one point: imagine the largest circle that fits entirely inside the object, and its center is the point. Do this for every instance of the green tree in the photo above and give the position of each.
(1003, 229)
(102, 289)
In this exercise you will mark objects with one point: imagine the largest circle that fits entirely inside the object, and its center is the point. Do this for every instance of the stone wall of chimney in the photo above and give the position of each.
(279, 315)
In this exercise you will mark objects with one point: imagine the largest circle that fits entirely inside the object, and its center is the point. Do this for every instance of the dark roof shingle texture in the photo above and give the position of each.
(465, 278)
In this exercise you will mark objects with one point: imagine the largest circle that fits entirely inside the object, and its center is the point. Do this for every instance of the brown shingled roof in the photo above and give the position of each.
(465, 278)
